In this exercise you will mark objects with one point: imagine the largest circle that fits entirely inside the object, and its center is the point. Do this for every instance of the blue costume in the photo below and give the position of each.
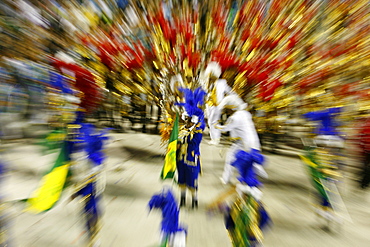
(88, 140)
(188, 157)
(189, 139)
(171, 230)
(323, 159)
(247, 216)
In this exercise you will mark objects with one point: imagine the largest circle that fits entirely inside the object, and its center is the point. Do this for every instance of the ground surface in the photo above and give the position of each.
(132, 175)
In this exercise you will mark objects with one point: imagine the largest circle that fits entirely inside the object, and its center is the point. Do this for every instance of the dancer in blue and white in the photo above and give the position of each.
(173, 234)
(242, 131)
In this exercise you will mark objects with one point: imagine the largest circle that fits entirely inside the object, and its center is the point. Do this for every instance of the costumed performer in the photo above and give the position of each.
(171, 95)
(81, 156)
(245, 215)
(242, 132)
(218, 89)
(190, 136)
(323, 161)
(173, 234)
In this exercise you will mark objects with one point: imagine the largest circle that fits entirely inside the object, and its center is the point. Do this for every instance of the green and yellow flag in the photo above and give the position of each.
(169, 166)
(53, 141)
(52, 184)
(313, 169)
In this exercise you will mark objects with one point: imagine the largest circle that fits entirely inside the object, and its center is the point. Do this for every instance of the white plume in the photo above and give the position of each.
(213, 68)
(174, 79)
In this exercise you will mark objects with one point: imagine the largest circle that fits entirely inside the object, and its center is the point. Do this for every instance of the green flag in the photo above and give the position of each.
(316, 175)
(169, 166)
(53, 141)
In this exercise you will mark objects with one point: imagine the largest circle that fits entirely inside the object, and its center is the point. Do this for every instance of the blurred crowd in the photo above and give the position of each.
(284, 58)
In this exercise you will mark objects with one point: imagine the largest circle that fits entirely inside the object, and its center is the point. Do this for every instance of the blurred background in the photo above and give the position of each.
(284, 58)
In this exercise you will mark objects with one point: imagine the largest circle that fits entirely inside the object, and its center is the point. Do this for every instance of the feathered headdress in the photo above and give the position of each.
(60, 82)
(214, 69)
(194, 101)
(176, 79)
(84, 82)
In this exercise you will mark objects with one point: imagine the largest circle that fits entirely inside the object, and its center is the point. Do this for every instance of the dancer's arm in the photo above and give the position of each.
(229, 125)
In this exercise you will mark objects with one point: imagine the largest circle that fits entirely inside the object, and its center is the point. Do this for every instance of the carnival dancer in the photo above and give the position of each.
(80, 159)
(189, 139)
(173, 234)
(242, 131)
(323, 161)
(245, 215)
(88, 158)
(218, 89)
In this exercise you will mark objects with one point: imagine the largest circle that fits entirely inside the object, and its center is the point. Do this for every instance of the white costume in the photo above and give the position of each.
(214, 111)
(242, 131)
(220, 90)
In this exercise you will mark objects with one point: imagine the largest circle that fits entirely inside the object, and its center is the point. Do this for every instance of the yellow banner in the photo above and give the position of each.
(50, 190)
(170, 160)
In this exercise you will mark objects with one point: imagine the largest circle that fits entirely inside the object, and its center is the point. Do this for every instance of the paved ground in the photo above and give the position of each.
(133, 167)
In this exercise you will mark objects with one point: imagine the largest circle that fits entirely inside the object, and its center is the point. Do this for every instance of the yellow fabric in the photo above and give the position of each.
(170, 160)
(56, 137)
(307, 161)
(212, 98)
(50, 190)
